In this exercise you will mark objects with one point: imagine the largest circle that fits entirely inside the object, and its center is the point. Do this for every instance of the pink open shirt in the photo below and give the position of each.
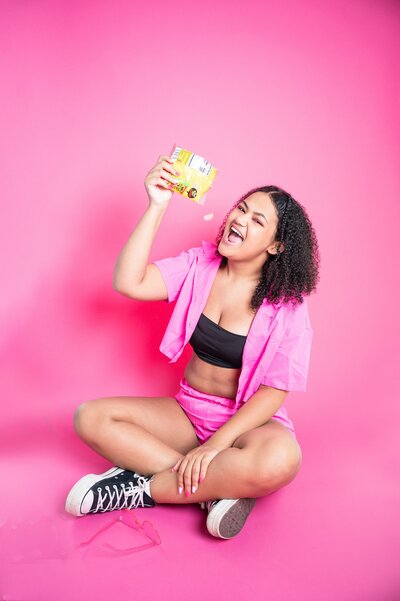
(277, 348)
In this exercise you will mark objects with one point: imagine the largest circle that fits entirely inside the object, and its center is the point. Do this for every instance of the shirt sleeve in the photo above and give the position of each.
(174, 271)
(288, 369)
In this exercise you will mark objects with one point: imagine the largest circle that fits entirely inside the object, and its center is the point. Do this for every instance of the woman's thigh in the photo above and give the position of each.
(161, 416)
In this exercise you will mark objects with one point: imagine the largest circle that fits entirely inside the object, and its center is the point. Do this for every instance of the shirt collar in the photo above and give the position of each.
(209, 247)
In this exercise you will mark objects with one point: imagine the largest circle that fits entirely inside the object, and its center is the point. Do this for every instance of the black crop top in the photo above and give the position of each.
(216, 345)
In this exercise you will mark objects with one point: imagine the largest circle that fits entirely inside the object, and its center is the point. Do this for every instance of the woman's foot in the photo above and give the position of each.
(226, 517)
(114, 489)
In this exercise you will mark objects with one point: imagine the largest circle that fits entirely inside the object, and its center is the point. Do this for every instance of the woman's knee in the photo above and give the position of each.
(277, 465)
(87, 418)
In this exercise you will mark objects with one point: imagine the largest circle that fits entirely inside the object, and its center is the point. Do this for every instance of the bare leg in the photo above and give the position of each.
(227, 477)
(230, 475)
(131, 447)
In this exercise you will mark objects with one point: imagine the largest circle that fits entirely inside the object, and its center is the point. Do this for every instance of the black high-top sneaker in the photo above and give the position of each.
(114, 489)
(226, 517)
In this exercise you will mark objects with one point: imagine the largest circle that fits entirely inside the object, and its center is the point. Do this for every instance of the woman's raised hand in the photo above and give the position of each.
(159, 180)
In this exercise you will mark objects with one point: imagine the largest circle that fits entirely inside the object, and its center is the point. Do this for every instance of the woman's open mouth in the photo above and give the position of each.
(233, 237)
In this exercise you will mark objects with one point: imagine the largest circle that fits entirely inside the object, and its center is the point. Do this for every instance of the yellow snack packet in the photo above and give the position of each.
(196, 174)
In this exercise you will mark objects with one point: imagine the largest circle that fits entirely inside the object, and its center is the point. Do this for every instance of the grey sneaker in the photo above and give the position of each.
(114, 489)
(226, 517)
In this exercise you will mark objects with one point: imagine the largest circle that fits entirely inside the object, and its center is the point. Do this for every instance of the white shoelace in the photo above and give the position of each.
(136, 492)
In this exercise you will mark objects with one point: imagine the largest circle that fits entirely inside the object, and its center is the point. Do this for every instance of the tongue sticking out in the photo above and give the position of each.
(235, 238)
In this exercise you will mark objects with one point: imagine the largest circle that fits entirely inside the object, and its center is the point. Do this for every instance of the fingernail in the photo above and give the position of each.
(187, 493)
(194, 488)
(201, 478)
(180, 489)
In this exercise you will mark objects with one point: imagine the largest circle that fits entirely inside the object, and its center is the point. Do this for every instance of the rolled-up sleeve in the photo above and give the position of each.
(289, 367)
(174, 271)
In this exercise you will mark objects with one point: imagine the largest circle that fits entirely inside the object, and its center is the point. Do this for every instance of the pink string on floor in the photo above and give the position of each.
(129, 519)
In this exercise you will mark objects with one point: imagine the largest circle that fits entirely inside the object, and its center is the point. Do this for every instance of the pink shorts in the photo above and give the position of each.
(208, 412)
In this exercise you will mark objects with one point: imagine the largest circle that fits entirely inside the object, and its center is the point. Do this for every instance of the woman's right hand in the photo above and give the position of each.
(159, 179)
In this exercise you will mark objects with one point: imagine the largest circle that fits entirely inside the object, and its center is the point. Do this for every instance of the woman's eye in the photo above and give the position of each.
(256, 220)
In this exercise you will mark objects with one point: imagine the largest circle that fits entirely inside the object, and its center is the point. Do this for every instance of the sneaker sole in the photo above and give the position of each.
(228, 517)
(76, 494)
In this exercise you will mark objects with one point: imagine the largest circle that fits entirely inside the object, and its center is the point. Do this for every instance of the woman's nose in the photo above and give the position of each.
(241, 221)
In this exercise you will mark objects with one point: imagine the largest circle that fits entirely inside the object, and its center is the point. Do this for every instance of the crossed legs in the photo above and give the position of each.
(149, 435)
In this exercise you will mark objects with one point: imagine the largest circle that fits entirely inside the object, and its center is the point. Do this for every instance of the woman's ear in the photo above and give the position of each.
(274, 248)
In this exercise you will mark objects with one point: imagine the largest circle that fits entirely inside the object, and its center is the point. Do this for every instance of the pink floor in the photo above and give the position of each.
(331, 534)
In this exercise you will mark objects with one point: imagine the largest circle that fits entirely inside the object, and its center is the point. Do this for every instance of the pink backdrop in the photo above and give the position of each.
(301, 94)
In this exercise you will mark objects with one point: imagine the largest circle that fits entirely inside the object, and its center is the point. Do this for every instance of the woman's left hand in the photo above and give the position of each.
(193, 467)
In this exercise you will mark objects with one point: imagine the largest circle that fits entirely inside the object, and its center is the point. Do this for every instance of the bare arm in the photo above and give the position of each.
(259, 408)
(132, 261)
(132, 274)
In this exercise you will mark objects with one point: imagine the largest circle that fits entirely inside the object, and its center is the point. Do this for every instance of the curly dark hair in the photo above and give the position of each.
(294, 272)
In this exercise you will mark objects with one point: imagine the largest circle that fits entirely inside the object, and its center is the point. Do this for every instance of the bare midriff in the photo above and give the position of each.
(228, 305)
(212, 379)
